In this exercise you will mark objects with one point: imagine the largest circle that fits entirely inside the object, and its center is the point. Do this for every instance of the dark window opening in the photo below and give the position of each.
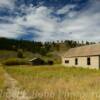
(88, 61)
(76, 61)
(66, 61)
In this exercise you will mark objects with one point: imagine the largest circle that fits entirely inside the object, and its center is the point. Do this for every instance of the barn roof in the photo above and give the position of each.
(33, 59)
(88, 50)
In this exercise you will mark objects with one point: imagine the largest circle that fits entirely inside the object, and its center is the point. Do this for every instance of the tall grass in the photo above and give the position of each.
(58, 82)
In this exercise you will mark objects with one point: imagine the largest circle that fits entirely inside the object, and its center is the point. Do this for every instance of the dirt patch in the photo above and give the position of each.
(13, 90)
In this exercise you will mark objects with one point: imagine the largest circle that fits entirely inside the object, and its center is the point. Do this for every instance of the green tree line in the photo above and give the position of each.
(39, 47)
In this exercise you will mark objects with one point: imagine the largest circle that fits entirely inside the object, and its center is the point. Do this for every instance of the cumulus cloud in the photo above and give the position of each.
(41, 19)
(86, 23)
(78, 25)
(7, 3)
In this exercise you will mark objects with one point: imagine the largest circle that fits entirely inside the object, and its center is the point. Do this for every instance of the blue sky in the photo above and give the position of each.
(49, 20)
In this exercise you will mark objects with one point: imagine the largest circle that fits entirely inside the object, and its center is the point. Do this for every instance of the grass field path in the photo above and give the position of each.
(13, 89)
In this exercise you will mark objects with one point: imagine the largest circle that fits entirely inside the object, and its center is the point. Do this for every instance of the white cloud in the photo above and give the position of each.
(7, 3)
(81, 25)
(66, 9)
(10, 30)
(40, 19)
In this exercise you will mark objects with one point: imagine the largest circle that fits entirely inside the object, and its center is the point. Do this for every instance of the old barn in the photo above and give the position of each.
(83, 56)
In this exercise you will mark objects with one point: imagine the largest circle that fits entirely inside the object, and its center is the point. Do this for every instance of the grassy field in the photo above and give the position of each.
(2, 79)
(57, 82)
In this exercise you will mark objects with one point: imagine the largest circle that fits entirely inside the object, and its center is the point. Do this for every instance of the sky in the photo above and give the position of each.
(50, 20)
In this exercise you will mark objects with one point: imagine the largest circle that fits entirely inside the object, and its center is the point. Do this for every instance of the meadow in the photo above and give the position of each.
(57, 82)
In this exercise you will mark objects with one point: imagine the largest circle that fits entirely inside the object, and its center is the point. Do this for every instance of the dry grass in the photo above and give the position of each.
(58, 82)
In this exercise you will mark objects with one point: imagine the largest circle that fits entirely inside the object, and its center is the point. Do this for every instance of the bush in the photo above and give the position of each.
(20, 54)
(11, 62)
(50, 62)
(54, 57)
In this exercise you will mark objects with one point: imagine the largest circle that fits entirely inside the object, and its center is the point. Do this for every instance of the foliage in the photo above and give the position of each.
(50, 62)
(53, 56)
(20, 53)
(39, 47)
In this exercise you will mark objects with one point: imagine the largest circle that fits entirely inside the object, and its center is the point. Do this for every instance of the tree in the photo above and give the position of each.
(87, 43)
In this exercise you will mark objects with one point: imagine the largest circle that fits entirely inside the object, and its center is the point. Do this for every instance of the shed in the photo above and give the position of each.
(37, 61)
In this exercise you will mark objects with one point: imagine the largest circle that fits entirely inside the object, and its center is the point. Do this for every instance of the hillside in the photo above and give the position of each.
(7, 54)
(9, 48)
(39, 47)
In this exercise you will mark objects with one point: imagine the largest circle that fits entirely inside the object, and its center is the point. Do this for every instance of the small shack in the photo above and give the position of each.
(37, 61)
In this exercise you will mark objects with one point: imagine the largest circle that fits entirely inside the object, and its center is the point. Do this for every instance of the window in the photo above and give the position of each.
(66, 61)
(76, 61)
(88, 61)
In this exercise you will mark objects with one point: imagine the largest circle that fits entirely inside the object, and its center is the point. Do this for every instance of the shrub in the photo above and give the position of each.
(50, 62)
(20, 54)
(54, 57)
(11, 62)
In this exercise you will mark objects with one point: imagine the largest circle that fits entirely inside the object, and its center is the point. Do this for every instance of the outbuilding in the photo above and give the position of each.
(37, 61)
(84, 56)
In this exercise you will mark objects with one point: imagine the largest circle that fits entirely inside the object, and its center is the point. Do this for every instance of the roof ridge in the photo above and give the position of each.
(93, 49)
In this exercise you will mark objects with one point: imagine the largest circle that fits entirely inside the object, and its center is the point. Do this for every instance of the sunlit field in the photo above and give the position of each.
(58, 82)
